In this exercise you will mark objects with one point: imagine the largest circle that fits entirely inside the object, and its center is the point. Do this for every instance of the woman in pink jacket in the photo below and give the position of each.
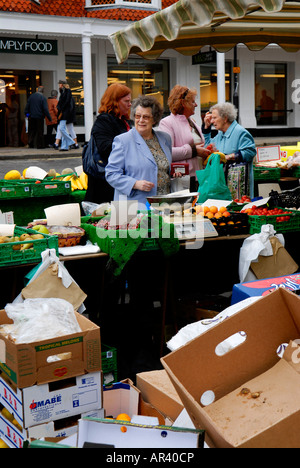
(187, 137)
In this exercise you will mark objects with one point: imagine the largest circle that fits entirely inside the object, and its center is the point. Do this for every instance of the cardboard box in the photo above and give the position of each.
(40, 404)
(27, 364)
(263, 287)
(157, 389)
(124, 397)
(15, 436)
(273, 418)
(109, 434)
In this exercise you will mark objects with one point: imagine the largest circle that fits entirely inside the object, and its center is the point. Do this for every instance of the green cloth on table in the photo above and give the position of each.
(122, 244)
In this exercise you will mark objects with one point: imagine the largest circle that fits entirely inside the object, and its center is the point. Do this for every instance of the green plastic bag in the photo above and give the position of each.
(212, 183)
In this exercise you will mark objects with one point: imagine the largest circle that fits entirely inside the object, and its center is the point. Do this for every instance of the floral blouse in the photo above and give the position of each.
(163, 167)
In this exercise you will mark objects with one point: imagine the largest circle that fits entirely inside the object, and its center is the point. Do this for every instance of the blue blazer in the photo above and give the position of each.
(131, 160)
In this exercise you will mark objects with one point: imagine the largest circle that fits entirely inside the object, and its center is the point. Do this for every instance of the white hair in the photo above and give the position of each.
(226, 109)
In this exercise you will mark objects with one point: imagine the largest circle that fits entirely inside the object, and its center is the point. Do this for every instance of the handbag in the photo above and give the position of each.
(91, 161)
(212, 183)
(237, 178)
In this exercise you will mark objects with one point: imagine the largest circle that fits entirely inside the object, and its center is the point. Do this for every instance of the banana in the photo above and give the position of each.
(65, 179)
(84, 180)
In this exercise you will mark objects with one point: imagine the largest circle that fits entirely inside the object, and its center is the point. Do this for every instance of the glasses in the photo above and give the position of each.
(146, 117)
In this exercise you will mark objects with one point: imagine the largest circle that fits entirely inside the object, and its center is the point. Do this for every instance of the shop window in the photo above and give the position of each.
(208, 85)
(271, 93)
(74, 77)
(142, 77)
(145, 4)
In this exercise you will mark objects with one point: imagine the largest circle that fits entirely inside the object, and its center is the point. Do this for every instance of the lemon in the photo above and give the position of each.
(3, 444)
(7, 414)
(12, 175)
(123, 417)
(24, 173)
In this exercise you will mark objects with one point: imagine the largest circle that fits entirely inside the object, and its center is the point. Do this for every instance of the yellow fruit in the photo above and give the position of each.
(3, 444)
(84, 180)
(12, 175)
(123, 417)
(7, 414)
(24, 173)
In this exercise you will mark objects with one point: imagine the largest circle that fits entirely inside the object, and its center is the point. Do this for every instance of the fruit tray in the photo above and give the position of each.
(280, 225)
(267, 173)
(38, 188)
(9, 190)
(236, 224)
(12, 253)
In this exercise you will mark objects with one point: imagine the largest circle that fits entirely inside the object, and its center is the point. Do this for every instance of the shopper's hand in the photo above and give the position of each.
(202, 152)
(207, 119)
(143, 185)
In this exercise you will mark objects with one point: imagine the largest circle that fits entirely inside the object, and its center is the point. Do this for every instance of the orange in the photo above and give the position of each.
(223, 209)
(218, 215)
(210, 215)
(213, 209)
(123, 417)
(226, 214)
(206, 209)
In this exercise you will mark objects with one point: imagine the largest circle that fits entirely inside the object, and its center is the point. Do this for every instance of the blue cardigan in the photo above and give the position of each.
(131, 160)
(235, 140)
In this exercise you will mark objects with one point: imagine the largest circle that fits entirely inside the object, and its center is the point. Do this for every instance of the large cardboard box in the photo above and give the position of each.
(267, 413)
(157, 389)
(36, 363)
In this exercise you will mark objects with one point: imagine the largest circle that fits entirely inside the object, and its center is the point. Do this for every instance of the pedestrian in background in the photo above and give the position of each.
(64, 108)
(52, 102)
(70, 129)
(112, 120)
(36, 110)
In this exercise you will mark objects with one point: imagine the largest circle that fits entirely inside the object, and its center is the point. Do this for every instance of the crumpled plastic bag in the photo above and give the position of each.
(193, 330)
(253, 247)
(40, 319)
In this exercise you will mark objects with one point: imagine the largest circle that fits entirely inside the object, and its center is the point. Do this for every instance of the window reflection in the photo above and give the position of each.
(208, 85)
(270, 93)
(142, 77)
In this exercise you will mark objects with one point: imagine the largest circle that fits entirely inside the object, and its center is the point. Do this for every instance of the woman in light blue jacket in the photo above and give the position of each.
(232, 139)
(140, 160)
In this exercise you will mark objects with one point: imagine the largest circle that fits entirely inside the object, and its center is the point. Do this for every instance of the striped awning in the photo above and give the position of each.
(188, 25)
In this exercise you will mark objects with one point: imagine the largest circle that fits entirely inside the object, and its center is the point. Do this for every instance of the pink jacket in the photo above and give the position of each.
(182, 140)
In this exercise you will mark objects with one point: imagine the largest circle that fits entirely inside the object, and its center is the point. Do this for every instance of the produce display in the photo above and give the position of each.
(21, 242)
(281, 215)
(68, 236)
(68, 174)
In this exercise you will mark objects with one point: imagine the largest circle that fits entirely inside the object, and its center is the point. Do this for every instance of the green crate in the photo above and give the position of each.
(109, 364)
(9, 256)
(12, 189)
(45, 188)
(256, 223)
(51, 188)
(266, 173)
(296, 172)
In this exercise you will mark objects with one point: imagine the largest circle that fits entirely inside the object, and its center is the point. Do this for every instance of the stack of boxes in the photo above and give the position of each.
(47, 386)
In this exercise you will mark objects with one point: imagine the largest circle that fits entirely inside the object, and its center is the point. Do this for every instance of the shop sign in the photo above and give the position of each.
(12, 45)
(204, 57)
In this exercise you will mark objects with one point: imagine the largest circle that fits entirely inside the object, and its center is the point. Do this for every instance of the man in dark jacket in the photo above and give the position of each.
(36, 110)
(65, 110)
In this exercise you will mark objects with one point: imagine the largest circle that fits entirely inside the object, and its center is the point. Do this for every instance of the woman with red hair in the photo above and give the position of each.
(111, 121)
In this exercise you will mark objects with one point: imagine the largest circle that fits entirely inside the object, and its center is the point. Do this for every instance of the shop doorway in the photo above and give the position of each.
(15, 88)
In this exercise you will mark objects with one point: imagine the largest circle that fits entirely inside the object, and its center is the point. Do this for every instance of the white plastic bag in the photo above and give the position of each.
(41, 319)
(253, 247)
(193, 330)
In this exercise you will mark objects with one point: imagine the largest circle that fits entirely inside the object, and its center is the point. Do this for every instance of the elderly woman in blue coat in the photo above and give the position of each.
(232, 139)
(139, 164)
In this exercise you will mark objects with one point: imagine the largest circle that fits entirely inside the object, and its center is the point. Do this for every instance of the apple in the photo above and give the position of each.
(40, 228)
